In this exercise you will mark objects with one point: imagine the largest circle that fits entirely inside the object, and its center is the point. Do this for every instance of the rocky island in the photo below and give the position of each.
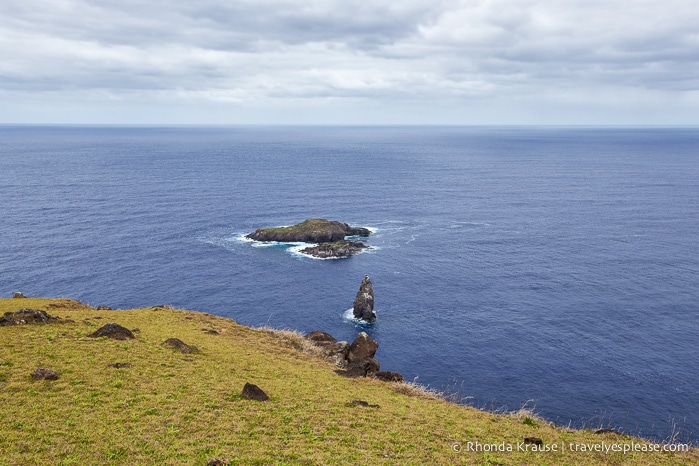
(329, 237)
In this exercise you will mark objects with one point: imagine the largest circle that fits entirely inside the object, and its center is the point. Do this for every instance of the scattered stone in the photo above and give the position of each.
(18, 295)
(362, 347)
(210, 331)
(103, 308)
(136, 330)
(120, 365)
(43, 373)
(217, 462)
(388, 376)
(180, 345)
(27, 316)
(364, 301)
(253, 392)
(533, 441)
(97, 317)
(113, 330)
(363, 404)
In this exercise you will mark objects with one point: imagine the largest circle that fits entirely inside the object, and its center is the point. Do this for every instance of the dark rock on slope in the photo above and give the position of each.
(113, 330)
(27, 316)
(43, 373)
(253, 392)
(178, 344)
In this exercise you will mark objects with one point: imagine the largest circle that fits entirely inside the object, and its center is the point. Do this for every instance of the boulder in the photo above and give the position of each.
(253, 392)
(318, 336)
(180, 345)
(103, 308)
(364, 301)
(18, 295)
(27, 316)
(113, 330)
(360, 368)
(533, 441)
(43, 373)
(357, 369)
(363, 347)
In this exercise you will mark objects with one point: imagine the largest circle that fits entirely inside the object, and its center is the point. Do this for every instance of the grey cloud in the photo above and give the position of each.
(380, 51)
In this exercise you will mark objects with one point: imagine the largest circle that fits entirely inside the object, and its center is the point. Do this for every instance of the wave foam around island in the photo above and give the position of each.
(295, 248)
(348, 316)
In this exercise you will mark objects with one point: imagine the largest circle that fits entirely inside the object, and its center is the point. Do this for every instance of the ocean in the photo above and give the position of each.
(555, 268)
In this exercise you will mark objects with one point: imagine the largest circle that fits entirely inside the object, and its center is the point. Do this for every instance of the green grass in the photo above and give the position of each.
(174, 408)
(310, 225)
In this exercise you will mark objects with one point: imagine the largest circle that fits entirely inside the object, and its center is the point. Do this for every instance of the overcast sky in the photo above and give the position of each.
(356, 62)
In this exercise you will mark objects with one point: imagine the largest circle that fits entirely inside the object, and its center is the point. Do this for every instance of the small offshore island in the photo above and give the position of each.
(329, 237)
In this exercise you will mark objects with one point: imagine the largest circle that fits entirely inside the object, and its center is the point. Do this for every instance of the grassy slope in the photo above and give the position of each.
(173, 408)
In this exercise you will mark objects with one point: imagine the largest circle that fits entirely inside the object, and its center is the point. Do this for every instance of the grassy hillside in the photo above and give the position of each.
(175, 408)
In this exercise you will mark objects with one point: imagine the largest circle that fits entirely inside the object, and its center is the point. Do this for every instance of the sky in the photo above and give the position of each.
(460, 62)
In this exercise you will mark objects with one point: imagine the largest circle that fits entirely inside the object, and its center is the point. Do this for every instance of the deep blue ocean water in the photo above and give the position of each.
(558, 265)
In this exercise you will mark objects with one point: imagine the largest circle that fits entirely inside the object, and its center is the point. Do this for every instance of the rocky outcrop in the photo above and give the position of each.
(18, 295)
(314, 230)
(113, 330)
(27, 316)
(355, 360)
(332, 349)
(253, 392)
(336, 250)
(364, 301)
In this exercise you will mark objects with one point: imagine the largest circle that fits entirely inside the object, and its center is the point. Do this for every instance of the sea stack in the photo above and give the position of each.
(364, 302)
